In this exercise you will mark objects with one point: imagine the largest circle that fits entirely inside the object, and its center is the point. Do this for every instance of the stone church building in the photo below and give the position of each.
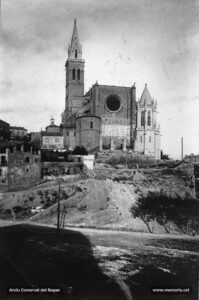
(106, 117)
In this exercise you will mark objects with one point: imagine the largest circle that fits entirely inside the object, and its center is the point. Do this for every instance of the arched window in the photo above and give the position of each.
(142, 118)
(149, 118)
(78, 74)
(73, 74)
(75, 53)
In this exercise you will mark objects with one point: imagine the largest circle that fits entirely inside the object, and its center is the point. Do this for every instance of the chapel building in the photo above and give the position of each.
(106, 117)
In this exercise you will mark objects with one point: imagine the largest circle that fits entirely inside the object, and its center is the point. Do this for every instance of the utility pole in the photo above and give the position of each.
(0, 18)
(58, 210)
(182, 148)
(144, 125)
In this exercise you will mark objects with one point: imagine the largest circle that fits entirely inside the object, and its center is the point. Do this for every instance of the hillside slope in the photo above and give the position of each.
(102, 203)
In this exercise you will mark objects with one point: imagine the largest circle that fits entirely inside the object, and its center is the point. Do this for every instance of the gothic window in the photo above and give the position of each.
(73, 74)
(75, 53)
(142, 118)
(149, 118)
(67, 133)
(78, 74)
(74, 133)
(140, 139)
(91, 124)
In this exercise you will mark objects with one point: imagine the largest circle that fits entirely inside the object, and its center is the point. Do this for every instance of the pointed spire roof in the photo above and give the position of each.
(74, 47)
(75, 36)
(146, 97)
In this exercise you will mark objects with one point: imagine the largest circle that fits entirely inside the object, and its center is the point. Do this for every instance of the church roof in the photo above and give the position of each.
(146, 97)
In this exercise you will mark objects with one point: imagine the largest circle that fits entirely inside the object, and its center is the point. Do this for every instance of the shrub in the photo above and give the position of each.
(144, 211)
(167, 210)
(80, 150)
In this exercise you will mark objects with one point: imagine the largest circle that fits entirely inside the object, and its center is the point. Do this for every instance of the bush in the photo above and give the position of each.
(80, 150)
(166, 210)
(144, 211)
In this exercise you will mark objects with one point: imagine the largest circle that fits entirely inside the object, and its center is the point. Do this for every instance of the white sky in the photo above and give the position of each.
(124, 41)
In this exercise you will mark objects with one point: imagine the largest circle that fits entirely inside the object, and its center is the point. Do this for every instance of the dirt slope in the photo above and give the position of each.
(101, 203)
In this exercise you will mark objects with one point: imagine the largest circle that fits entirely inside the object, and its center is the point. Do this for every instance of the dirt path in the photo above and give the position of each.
(100, 264)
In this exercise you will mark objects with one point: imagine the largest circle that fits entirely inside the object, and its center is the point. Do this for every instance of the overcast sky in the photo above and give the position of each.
(124, 41)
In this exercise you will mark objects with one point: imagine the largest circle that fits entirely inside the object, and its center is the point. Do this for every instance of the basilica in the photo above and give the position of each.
(106, 117)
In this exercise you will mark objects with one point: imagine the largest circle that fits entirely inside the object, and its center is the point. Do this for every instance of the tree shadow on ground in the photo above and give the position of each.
(33, 256)
(143, 282)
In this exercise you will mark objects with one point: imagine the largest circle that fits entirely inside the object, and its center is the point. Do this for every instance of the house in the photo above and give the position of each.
(20, 165)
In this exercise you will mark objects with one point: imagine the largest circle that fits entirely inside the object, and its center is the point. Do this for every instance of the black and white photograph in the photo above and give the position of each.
(99, 149)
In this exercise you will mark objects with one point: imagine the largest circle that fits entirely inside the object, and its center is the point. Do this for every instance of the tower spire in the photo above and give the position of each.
(75, 48)
(74, 75)
(146, 97)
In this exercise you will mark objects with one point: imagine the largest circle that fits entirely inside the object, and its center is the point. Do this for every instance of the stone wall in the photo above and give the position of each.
(88, 129)
(61, 168)
(24, 170)
(148, 142)
(69, 137)
(3, 178)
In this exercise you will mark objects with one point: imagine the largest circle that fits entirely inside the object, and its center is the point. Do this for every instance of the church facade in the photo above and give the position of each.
(106, 117)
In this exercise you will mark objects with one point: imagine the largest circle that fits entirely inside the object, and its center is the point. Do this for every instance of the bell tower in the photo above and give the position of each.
(74, 75)
(147, 131)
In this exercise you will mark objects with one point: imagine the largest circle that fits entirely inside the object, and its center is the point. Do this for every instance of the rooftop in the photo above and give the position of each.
(18, 128)
(5, 123)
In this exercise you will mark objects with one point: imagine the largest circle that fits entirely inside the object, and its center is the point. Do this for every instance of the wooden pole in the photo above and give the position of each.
(58, 211)
(0, 18)
(182, 148)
